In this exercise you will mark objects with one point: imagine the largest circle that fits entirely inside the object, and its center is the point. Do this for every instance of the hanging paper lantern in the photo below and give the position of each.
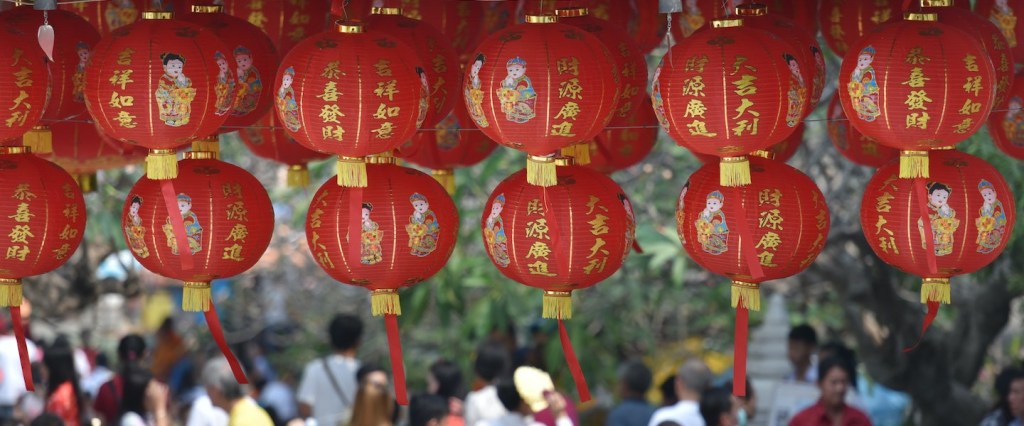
(989, 37)
(407, 226)
(447, 146)
(438, 58)
(955, 222)
(1005, 14)
(460, 21)
(107, 16)
(916, 85)
(647, 27)
(729, 91)
(559, 239)
(23, 83)
(42, 219)
(539, 87)
(353, 92)
(71, 54)
(624, 142)
(152, 83)
(269, 140)
(82, 152)
(852, 144)
(803, 13)
(780, 152)
(287, 22)
(1006, 124)
(694, 16)
(843, 22)
(771, 229)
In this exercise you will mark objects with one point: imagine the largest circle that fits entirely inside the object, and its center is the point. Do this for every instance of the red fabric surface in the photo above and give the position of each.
(286, 22)
(843, 22)
(853, 145)
(990, 37)
(1006, 123)
(1012, 32)
(626, 141)
(804, 46)
(23, 83)
(79, 148)
(107, 16)
(269, 140)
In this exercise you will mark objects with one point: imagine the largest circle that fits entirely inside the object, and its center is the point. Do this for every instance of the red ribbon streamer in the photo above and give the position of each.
(355, 225)
(397, 365)
(177, 223)
(574, 363)
(19, 335)
(933, 310)
(746, 239)
(929, 238)
(739, 364)
(561, 264)
(218, 336)
(636, 246)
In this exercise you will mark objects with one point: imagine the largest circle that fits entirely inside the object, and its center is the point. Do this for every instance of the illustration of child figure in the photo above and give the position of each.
(249, 84)
(494, 233)
(423, 228)
(712, 231)
(943, 219)
(475, 93)
(370, 251)
(659, 104)
(287, 107)
(225, 86)
(134, 230)
(174, 93)
(78, 79)
(516, 93)
(630, 225)
(120, 13)
(863, 87)
(991, 221)
(424, 97)
(680, 217)
(1013, 122)
(193, 229)
(797, 94)
(818, 82)
(691, 19)
(1002, 15)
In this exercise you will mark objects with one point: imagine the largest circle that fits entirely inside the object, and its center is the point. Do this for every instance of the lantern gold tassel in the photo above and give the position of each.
(579, 152)
(913, 164)
(446, 177)
(86, 181)
(557, 305)
(935, 290)
(195, 297)
(748, 293)
(298, 176)
(39, 139)
(735, 171)
(10, 292)
(352, 172)
(541, 171)
(162, 164)
(385, 302)
(210, 144)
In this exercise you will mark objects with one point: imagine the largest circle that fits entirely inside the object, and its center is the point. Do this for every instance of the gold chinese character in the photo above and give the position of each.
(62, 251)
(970, 107)
(771, 219)
(535, 207)
(918, 120)
(888, 243)
(915, 57)
(769, 196)
(916, 99)
(385, 131)
(745, 85)
(882, 202)
(316, 218)
(569, 111)
(329, 113)
(334, 132)
(384, 112)
(694, 86)
(740, 61)
(570, 89)
(539, 250)
(963, 126)
(971, 63)
(232, 253)
(973, 85)
(881, 15)
(298, 18)
(330, 93)
(121, 78)
(19, 100)
(744, 104)
(21, 234)
(325, 259)
(124, 57)
(257, 18)
(562, 129)
(592, 204)
(880, 224)
(22, 192)
(119, 101)
(917, 78)
(71, 212)
(537, 229)
(126, 120)
(696, 63)
(238, 233)
(332, 70)
(438, 64)
(598, 225)
(297, 34)
(17, 118)
(231, 190)
(68, 233)
(237, 211)
(540, 268)
(17, 252)
(597, 248)
(22, 215)
(695, 108)
(745, 125)
(699, 128)
(386, 88)
(821, 219)
(383, 68)
(766, 258)
(569, 65)
(769, 241)
(595, 265)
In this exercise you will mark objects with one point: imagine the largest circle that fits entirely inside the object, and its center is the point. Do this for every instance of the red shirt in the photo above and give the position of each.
(816, 415)
(108, 399)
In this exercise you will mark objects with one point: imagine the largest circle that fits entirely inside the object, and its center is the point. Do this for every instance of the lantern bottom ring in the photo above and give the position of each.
(10, 292)
(557, 305)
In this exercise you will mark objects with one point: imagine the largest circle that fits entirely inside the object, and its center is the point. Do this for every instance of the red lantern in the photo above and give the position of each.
(955, 222)
(559, 239)
(213, 221)
(770, 229)
(396, 232)
(843, 22)
(539, 87)
(1006, 124)
(799, 11)
(624, 142)
(352, 92)
(152, 83)
(694, 16)
(447, 146)
(729, 91)
(647, 26)
(107, 16)
(439, 60)
(852, 144)
(287, 22)
(269, 140)
(42, 219)
(1005, 15)
(82, 152)
(916, 85)
(23, 83)
(460, 21)
(990, 38)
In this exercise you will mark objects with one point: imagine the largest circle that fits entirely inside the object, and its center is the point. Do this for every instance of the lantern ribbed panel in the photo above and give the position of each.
(780, 152)
(23, 83)
(988, 34)
(81, 149)
(286, 22)
(647, 27)
(843, 22)
(1006, 124)
(269, 140)
(454, 142)
(852, 144)
(107, 16)
(804, 46)
(1008, 20)
(625, 142)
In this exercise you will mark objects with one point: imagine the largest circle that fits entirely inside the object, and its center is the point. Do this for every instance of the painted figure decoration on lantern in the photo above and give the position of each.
(692, 18)
(630, 225)
(1013, 122)
(518, 99)
(656, 99)
(423, 227)
(225, 86)
(494, 233)
(943, 219)
(819, 64)
(797, 93)
(175, 93)
(680, 222)
(78, 79)
(991, 221)
(287, 107)
(193, 229)
(863, 87)
(1002, 15)
(135, 232)
(712, 230)
(370, 249)
(424, 97)
(120, 13)
(249, 84)
(475, 93)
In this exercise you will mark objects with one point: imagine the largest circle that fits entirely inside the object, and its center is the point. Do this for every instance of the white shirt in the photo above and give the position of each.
(12, 385)
(316, 390)
(516, 419)
(281, 398)
(482, 405)
(686, 413)
(203, 413)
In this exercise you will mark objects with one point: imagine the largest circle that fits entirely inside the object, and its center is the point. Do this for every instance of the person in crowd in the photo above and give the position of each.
(718, 407)
(428, 410)
(483, 404)
(634, 381)
(518, 412)
(169, 349)
(668, 391)
(831, 409)
(12, 387)
(747, 404)
(374, 405)
(227, 394)
(100, 374)
(801, 349)
(445, 380)
(276, 397)
(1009, 409)
(47, 419)
(63, 395)
(144, 401)
(328, 386)
(131, 350)
(692, 379)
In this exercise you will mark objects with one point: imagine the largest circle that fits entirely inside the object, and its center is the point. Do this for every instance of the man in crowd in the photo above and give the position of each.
(492, 361)
(634, 381)
(719, 408)
(328, 387)
(831, 409)
(229, 395)
(693, 379)
(428, 410)
(803, 344)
